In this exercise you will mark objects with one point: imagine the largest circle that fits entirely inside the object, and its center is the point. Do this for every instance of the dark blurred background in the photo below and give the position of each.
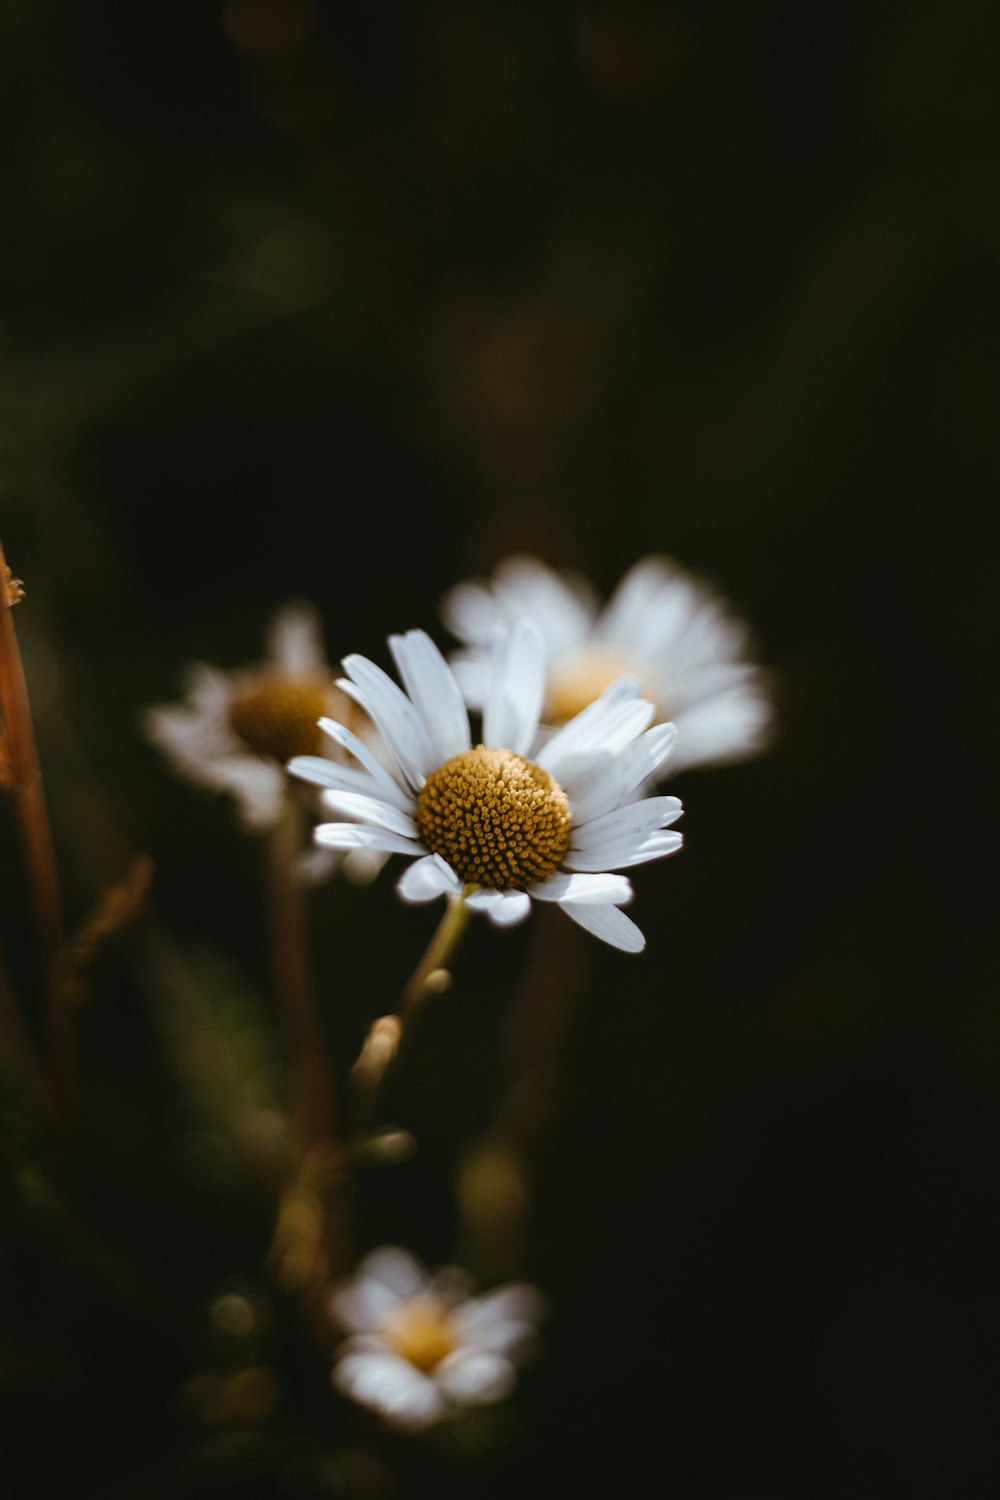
(345, 302)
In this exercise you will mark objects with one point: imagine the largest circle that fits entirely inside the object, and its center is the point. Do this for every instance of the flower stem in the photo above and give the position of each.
(439, 950)
(26, 783)
(386, 1032)
(310, 1085)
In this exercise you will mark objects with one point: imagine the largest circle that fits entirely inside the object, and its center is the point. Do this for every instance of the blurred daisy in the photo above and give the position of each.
(485, 823)
(234, 731)
(421, 1347)
(661, 625)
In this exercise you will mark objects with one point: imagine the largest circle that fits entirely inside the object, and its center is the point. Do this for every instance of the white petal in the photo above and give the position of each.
(372, 810)
(361, 866)
(472, 671)
(608, 787)
(598, 734)
(474, 1377)
(597, 889)
(517, 687)
(294, 641)
(504, 908)
(361, 1304)
(677, 620)
(695, 684)
(336, 777)
(609, 924)
(356, 836)
(433, 691)
(427, 879)
(392, 1386)
(620, 854)
(562, 606)
(515, 1338)
(196, 730)
(395, 1268)
(258, 787)
(503, 1320)
(635, 819)
(471, 613)
(674, 619)
(207, 688)
(692, 629)
(313, 865)
(728, 728)
(390, 709)
(382, 1280)
(364, 754)
(648, 583)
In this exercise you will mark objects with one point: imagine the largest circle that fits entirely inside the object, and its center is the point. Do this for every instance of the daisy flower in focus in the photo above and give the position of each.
(483, 822)
(234, 731)
(420, 1347)
(662, 625)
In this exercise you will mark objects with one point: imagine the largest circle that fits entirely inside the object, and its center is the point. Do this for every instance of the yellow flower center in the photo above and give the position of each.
(277, 716)
(576, 682)
(498, 819)
(420, 1331)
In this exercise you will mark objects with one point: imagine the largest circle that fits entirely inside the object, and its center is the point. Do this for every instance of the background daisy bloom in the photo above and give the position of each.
(486, 823)
(661, 625)
(421, 1347)
(235, 731)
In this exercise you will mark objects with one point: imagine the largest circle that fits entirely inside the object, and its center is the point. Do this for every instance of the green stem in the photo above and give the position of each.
(386, 1032)
(439, 950)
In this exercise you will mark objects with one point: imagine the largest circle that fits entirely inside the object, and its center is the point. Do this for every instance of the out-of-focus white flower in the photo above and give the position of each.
(421, 1347)
(662, 625)
(485, 823)
(234, 731)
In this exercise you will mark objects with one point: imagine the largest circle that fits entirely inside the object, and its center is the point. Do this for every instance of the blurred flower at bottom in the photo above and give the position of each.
(421, 1347)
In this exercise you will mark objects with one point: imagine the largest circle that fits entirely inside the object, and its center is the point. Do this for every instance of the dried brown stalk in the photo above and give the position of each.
(25, 780)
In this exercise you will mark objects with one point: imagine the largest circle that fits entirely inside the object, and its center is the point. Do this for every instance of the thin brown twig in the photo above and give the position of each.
(29, 793)
(310, 1082)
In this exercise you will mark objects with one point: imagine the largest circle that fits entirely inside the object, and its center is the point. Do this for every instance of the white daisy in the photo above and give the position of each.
(662, 625)
(234, 731)
(486, 823)
(421, 1347)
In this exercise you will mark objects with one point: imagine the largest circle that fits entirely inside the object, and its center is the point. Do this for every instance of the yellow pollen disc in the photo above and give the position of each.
(419, 1331)
(277, 716)
(583, 677)
(498, 819)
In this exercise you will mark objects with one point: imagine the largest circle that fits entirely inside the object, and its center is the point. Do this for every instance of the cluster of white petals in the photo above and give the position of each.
(601, 760)
(197, 736)
(663, 625)
(420, 1346)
